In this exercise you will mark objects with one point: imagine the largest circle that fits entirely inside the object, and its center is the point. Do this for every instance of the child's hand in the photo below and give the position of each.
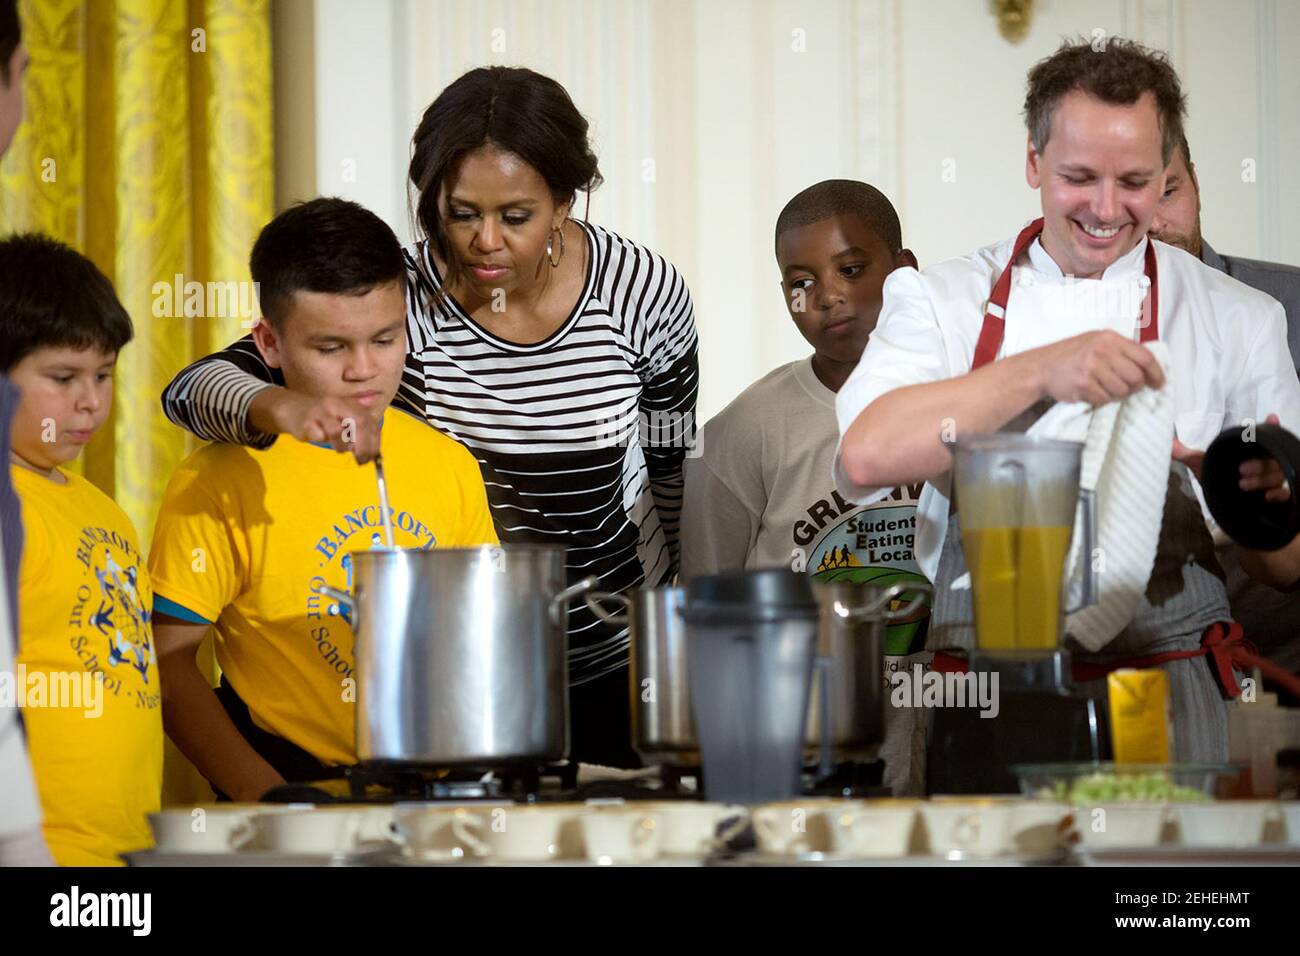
(341, 423)
(260, 781)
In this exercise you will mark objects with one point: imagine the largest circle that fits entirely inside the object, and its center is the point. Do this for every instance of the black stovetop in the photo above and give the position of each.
(551, 783)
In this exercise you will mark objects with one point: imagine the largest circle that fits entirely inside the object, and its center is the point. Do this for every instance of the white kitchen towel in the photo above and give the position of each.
(1126, 462)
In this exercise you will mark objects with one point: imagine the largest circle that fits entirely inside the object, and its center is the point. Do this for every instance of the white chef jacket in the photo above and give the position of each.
(1227, 344)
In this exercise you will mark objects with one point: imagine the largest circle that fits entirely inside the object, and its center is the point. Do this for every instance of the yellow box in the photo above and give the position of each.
(1139, 715)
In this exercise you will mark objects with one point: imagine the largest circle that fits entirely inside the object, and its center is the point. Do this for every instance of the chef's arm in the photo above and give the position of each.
(898, 438)
(1278, 569)
(196, 721)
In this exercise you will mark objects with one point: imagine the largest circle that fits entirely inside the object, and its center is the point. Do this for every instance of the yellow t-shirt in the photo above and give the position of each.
(245, 538)
(84, 609)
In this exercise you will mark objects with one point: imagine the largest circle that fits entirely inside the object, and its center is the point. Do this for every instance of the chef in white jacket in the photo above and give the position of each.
(1059, 313)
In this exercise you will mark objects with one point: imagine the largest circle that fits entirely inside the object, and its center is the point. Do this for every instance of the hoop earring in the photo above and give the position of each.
(550, 242)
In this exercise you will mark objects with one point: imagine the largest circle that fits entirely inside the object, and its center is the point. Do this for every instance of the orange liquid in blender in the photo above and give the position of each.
(1016, 579)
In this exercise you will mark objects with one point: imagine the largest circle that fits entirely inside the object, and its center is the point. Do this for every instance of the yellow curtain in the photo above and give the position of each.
(147, 144)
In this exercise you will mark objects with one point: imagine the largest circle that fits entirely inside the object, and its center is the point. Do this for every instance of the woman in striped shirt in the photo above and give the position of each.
(562, 355)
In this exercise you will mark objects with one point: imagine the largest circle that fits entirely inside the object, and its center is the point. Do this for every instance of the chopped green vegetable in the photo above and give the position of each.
(1103, 787)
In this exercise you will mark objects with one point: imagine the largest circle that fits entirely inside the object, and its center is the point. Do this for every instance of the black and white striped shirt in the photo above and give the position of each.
(581, 436)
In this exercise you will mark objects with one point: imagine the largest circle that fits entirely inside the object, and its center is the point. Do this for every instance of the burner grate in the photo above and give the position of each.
(550, 783)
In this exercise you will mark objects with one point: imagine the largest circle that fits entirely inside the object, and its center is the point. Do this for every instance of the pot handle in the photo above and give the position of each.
(343, 597)
(880, 606)
(242, 834)
(466, 829)
(727, 829)
(965, 832)
(573, 590)
(1088, 504)
(618, 620)
(643, 845)
(923, 589)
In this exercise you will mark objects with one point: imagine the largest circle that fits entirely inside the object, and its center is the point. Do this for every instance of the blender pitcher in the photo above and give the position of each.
(751, 645)
(1017, 496)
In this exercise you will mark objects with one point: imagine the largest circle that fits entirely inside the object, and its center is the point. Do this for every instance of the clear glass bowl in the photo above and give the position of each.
(1088, 783)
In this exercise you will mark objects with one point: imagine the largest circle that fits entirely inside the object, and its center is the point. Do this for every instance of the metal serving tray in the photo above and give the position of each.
(1263, 855)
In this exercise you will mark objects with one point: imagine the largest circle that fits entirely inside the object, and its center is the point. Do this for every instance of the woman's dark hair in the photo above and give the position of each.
(11, 34)
(515, 109)
(51, 296)
(324, 245)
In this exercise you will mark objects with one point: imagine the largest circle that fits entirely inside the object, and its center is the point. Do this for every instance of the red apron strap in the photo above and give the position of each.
(946, 663)
(1228, 641)
(990, 340)
(1223, 642)
(995, 322)
(1149, 317)
(1219, 641)
(1089, 670)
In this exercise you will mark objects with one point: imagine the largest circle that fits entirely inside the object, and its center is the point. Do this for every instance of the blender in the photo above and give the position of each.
(1017, 497)
(751, 649)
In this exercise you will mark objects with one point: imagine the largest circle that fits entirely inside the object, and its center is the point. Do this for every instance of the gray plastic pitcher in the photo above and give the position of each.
(751, 640)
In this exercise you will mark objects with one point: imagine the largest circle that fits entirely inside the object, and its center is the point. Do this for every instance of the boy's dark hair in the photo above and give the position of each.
(323, 245)
(843, 197)
(1117, 71)
(52, 296)
(515, 109)
(11, 34)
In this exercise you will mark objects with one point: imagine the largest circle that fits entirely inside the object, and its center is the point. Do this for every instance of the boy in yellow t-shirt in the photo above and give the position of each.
(86, 672)
(245, 538)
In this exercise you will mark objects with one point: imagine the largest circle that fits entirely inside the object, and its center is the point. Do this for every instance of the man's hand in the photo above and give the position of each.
(1259, 474)
(1265, 474)
(344, 425)
(1278, 569)
(1098, 367)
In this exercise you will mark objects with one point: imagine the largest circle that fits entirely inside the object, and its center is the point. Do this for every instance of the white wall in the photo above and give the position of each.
(708, 115)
